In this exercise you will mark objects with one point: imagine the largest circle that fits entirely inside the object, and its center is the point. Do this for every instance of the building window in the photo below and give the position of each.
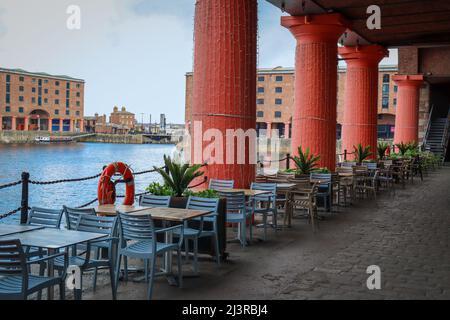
(8, 109)
(277, 114)
(260, 114)
(56, 101)
(57, 112)
(260, 90)
(385, 103)
(33, 90)
(279, 78)
(21, 89)
(39, 101)
(78, 103)
(260, 101)
(67, 94)
(21, 99)
(8, 98)
(57, 92)
(33, 100)
(395, 88)
(278, 90)
(68, 85)
(20, 109)
(77, 113)
(385, 88)
(46, 81)
(78, 94)
(21, 79)
(56, 83)
(8, 87)
(395, 102)
(278, 101)
(8, 78)
(261, 78)
(67, 103)
(33, 80)
(386, 78)
(45, 91)
(45, 100)
(67, 112)
(40, 82)
(78, 85)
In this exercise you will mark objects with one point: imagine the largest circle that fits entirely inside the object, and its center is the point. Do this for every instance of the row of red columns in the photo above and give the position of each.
(224, 84)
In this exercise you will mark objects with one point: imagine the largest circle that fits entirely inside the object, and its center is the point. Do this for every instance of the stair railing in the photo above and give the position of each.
(445, 136)
(425, 141)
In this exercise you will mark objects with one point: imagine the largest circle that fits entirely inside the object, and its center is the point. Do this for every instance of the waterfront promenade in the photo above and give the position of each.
(407, 235)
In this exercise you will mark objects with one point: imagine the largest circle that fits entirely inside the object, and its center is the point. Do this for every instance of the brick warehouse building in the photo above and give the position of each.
(275, 100)
(40, 102)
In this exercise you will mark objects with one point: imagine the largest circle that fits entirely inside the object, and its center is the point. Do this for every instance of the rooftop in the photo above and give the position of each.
(39, 74)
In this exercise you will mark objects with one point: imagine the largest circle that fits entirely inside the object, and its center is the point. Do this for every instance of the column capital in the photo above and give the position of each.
(321, 27)
(363, 55)
(408, 80)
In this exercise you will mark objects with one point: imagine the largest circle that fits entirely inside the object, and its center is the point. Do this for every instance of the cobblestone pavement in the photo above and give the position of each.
(407, 235)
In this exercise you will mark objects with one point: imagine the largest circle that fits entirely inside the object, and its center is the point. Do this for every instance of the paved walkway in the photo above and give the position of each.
(406, 235)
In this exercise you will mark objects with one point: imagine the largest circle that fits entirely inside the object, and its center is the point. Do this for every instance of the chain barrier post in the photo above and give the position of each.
(345, 155)
(24, 202)
(288, 161)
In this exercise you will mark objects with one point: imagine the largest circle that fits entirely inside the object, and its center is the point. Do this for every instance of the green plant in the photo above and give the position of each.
(202, 194)
(381, 150)
(159, 189)
(403, 147)
(321, 170)
(361, 153)
(305, 161)
(178, 176)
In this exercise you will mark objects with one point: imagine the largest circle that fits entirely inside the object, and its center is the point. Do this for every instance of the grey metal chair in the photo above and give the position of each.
(325, 192)
(194, 234)
(85, 261)
(15, 280)
(49, 218)
(215, 184)
(238, 213)
(73, 214)
(138, 240)
(150, 200)
(269, 200)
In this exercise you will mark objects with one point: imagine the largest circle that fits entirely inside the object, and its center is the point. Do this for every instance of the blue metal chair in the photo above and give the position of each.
(49, 218)
(72, 216)
(16, 282)
(85, 261)
(154, 201)
(348, 164)
(138, 240)
(325, 188)
(370, 165)
(238, 213)
(191, 233)
(269, 200)
(215, 184)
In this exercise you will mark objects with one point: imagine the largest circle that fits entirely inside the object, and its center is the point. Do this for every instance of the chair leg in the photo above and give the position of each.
(78, 292)
(113, 282)
(125, 268)
(251, 227)
(180, 269)
(150, 283)
(244, 233)
(216, 240)
(265, 225)
(94, 280)
(146, 266)
(196, 255)
(62, 290)
(119, 259)
(186, 250)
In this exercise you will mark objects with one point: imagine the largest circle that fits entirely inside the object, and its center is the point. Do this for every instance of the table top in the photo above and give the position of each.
(162, 213)
(109, 209)
(285, 185)
(50, 238)
(247, 192)
(7, 229)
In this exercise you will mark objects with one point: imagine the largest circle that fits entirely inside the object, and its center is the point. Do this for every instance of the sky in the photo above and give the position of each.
(132, 53)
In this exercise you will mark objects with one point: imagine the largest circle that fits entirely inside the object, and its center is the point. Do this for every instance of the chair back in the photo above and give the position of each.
(360, 170)
(261, 178)
(96, 224)
(150, 200)
(322, 177)
(136, 228)
(72, 216)
(370, 165)
(348, 164)
(285, 175)
(278, 180)
(271, 187)
(235, 200)
(205, 204)
(45, 217)
(13, 261)
(215, 184)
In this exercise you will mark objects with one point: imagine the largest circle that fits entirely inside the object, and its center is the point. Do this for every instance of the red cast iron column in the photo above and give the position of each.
(314, 118)
(407, 114)
(361, 97)
(224, 95)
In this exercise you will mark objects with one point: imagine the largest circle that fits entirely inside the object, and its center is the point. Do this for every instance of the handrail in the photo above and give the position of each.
(445, 136)
(428, 126)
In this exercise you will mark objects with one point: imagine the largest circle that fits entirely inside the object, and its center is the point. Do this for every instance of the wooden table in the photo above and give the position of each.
(157, 213)
(247, 192)
(8, 229)
(53, 240)
(285, 189)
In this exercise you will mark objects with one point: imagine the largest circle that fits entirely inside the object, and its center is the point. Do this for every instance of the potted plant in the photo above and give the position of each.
(159, 189)
(403, 148)
(178, 177)
(361, 153)
(305, 162)
(381, 150)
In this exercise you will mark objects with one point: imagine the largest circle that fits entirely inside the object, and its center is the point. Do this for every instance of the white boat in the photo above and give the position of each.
(42, 139)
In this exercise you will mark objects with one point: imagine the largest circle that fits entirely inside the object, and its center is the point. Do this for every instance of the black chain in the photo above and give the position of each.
(64, 180)
(270, 161)
(3, 216)
(87, 204)
(12, 184)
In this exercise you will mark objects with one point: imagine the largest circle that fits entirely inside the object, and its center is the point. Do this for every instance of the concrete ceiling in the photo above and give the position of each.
(403, 22)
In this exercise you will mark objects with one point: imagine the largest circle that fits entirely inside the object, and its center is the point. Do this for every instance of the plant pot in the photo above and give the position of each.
(178, 202)
(301, 176)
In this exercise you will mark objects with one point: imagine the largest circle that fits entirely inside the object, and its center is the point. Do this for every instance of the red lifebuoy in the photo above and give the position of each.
(106, 188)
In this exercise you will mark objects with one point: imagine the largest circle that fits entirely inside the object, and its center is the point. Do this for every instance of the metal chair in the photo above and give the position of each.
(269, 200)
(15, 280)
(85, 261)
(194, 234)
(324, 188)
(150, 200)
(49, 218)
(238, 213)
(73, 214)
(215, 184)
(303, 197)
(138, 240)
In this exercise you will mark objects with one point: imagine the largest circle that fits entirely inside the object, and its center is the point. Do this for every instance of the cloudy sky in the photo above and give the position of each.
(131, 53)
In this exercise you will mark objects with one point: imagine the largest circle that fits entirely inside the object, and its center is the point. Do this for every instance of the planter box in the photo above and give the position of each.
(206, 245)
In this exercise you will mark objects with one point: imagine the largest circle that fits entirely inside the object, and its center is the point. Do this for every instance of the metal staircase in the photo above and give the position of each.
(437, 137)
